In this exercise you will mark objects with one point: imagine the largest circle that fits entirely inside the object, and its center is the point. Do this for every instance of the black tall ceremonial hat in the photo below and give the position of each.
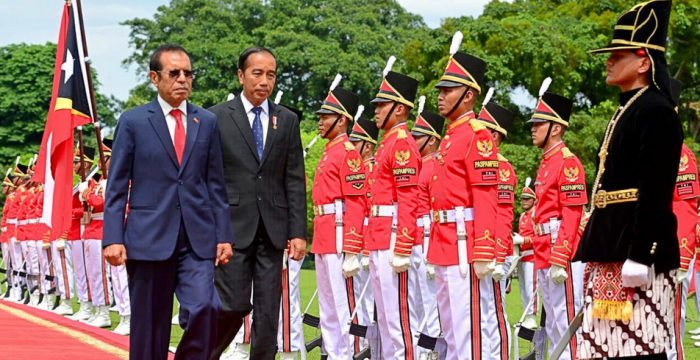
(463, 69)
(676, 87)
(365, 130)
(107, 147)
(22, 170)
(340, 101)
(88, 156)
(397, 87)
(528, 190)
(297, 112)
(428, 123)
(553, 107)
(643, 26)
(496, 117)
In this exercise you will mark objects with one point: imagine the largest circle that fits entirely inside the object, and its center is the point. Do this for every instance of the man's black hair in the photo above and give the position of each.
(243, 59)
(155, 64)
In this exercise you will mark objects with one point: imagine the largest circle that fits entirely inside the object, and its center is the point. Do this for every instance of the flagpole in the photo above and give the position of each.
(103, 163)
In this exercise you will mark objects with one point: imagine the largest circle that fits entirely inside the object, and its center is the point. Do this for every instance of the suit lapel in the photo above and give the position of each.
(271, 131)
(240, 118)
(157, 120)
(192, 131)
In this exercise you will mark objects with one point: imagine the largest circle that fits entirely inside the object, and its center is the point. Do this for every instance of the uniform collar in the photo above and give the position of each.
(626, 96)
(370, 160)
(553, 151)
(428, 157)
(464, 119)
(394, 130)
(338, 139)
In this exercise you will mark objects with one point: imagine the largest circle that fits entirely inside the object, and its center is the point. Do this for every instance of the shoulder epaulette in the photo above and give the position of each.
(566, 153)
(401, 134)
(502, 158)
(349, 146)
(476, 125)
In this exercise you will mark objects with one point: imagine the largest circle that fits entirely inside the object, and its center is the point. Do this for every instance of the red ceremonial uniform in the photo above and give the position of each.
(5, 235)
(94, 196)
(561, 194)
(426, 175)
(25, 208)
(339, 175)
(685, 205)
(526, 229)
(394, 181)
(506, 201)
(40, 230)
(369, 164)
(13, 212)
(466, 174)
(77, 215)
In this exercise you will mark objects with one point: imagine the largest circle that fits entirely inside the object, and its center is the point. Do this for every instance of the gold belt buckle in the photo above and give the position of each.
(436, 216)
(601, 199)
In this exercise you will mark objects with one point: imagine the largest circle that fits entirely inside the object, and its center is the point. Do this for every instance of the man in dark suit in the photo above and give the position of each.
(167, 165)
(264, 171)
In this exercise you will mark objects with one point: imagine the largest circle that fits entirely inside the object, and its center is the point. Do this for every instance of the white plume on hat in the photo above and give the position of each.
(488, 97)
(336, 81)
(456, 42)
(360, 110)
(230, 97)
(278, 97)
(389, 65)
(545, 86)
(421, 104)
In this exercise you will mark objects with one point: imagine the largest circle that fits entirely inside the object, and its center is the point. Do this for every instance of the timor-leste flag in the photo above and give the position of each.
(70, 107)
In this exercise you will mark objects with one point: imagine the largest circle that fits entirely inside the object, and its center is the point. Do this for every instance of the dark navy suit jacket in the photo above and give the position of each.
(163, 192)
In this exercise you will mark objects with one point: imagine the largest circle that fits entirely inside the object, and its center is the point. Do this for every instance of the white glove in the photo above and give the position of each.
(103, 185)
(285, 257)
(483, 268)
(430, 268)
(13, 240)
(517, 239)
(400, 263)
(499, 272)
(81, 189)
(558, 274)
(365, 262)
(45, 245)
(60, 244)
(351, 265)
(681, 276)
(634, 274)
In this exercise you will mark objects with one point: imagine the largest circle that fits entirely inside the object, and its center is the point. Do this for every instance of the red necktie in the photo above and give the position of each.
(179, 138)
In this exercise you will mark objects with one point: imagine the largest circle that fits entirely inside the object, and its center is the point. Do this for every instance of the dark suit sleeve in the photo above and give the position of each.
(295, 185)
(661, 140)
(217, 188)
(119, 176)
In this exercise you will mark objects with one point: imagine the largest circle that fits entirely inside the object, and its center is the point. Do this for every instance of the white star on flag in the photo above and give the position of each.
(68, 66)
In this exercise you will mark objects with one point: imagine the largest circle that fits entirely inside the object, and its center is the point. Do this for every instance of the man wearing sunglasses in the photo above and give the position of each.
(166, 162)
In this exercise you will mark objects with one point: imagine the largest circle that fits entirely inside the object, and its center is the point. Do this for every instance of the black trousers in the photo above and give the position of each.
(255, 270)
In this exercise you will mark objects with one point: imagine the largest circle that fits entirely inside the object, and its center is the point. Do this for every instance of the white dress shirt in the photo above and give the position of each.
(264, 115)
(170, 120)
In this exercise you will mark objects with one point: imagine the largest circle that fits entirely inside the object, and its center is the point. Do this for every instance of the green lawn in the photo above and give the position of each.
(513, 303)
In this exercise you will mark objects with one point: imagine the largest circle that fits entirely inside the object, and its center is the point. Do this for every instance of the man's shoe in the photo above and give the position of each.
(84, 313)
(530, 322)
(49, 302)
(695, 337)
(64, 308)
(238, 352)
(113, 308)
(34, 300)
(294, 355)
(695, 331)
(101, 318)
(124, 327)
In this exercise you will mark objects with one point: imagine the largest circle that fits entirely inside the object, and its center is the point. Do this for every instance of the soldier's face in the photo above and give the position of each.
(449, 96)
(624, 67)
(538, 133)
(76, 167)
(259, 77)
(5, 189)
(174, 89)
(325, 121)
(527, 203)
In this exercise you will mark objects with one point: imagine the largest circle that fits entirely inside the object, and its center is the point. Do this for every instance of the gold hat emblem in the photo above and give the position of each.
(505, 175)
(683, 166)
(402, 157)
(354, 164)
(571, 174)
(485, 147)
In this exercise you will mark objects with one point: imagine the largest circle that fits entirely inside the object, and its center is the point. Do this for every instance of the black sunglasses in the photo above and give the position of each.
(189, 74)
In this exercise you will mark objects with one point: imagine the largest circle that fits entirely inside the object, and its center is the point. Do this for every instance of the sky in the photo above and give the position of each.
(37, 22)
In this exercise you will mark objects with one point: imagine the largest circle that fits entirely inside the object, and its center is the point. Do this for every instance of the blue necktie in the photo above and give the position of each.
(258, 131)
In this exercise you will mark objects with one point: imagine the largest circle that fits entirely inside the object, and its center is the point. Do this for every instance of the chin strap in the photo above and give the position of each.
(546, 138)
(424, 144)
(386, 118)
(458, 102)
(332, 126)
(362, 148)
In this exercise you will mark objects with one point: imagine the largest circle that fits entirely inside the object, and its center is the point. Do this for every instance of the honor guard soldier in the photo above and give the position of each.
(75, 241)
(338, 197)
(42, 232)
(392, 221)
(92, 193)
(364, 136)
(561, 194)
(15, 247)
(527, 276)
(495, 321)
(463, 203)
(685, 207)
(427, 130)
(8, 188)
(23, 232)
(631, 241)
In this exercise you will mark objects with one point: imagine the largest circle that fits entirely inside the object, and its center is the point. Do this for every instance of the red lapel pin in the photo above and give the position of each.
(196, 121)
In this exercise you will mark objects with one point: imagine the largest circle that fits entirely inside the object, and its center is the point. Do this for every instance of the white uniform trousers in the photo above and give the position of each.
(559, 304)
(426, 304)
(396, 307)
(696, 278)
(290, 333)
(6, 260)
(577, 269)
(677, 351)
(82, 290)
(64, 272)
(17, 262)
(335, 299)
(45, 267)
(32, 263)
(495, 330)
(97, 273)
(527, 280)
(460, 300)
(120, 287)
(366, 312)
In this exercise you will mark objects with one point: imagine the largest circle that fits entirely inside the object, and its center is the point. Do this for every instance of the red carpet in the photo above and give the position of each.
(30, 334)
